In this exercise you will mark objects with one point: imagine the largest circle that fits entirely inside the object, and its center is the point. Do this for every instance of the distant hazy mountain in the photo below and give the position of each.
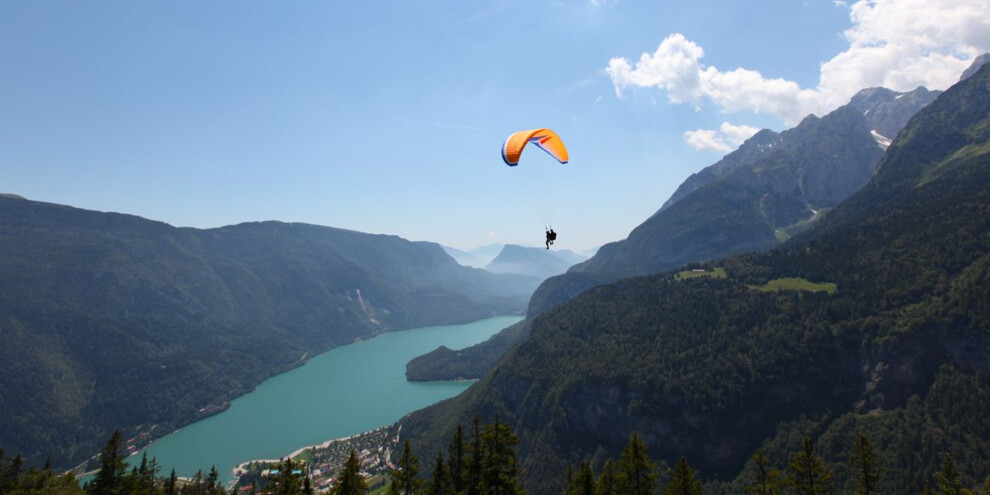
(714, 368)
(572, 257)
(477, 257)
(465, 258)
(487, 252)
(537, 262)
(111, 321)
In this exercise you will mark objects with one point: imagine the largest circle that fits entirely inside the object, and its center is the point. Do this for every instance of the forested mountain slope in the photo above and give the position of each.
(111, 321)
(770, 188)
(714, 368)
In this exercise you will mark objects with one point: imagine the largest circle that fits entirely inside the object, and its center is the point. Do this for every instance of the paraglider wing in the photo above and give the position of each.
(545, 139)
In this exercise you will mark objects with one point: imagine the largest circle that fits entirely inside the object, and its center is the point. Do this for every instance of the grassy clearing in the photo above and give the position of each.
(381, 481)
(797, 284)
(717, 272)
(963, 153)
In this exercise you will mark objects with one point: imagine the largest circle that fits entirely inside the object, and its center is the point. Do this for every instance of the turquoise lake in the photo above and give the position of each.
(347, 390)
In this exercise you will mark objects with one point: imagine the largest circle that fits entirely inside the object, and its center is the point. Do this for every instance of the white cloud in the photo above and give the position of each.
(705, 139)
(898, 44)
(673, 67)
(725, 139)
(737, 134)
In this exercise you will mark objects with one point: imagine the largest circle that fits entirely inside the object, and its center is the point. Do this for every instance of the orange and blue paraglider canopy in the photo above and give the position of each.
(545, 139)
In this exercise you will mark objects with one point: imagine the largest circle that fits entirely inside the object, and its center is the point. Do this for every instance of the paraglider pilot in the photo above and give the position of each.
(551, 236)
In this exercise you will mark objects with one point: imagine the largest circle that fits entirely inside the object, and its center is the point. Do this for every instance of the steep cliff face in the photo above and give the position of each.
(752, 150)
(887, 112)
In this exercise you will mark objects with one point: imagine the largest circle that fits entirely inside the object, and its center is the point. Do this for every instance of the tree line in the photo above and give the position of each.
(484, 462)
(806, 473)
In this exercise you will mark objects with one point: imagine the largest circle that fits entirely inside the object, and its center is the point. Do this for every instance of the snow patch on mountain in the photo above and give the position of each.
(882, 141)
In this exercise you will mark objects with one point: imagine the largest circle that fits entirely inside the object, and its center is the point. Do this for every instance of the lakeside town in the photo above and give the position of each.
(322, 463)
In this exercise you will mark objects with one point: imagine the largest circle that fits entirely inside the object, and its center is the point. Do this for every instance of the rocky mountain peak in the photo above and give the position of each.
(975, 66)
(888, 111)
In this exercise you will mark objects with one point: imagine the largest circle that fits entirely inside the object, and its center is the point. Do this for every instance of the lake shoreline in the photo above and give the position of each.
(329, 404)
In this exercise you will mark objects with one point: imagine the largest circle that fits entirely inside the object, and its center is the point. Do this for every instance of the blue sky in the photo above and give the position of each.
(387, 116)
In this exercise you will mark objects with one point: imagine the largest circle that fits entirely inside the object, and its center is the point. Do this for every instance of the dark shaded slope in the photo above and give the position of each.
(444, 363)
(111, 321)
(713, 369)
(749, 152)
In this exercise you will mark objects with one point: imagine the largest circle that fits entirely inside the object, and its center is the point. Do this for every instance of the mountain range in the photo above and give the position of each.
(115, 322)
(772, 187)
(477, 257)
(873, 320)
(538, 262)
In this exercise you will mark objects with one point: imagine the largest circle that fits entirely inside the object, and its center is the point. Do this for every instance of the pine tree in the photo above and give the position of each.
(350, 481)
(809, 475)
(637, 472)
(17, 467)
(153, 469)
(441, 483)
(608, 481)
(393, 488)
(195, 485)
(142, 469)
(144, 477)
(213, 486)
(405, 477)
(110, 478)
(867, 469)
(947, 478)
(569, 480)
(7, 478)
(472, 480)
(766, 480)
(287, 481)
(683, 481)
(10, 474)
(170, 488)
(500, 466)
(584, 482)
(456, 461)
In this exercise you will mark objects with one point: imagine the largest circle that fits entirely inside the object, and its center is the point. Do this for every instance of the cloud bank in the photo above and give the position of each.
(898, 44)
(727, 138)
